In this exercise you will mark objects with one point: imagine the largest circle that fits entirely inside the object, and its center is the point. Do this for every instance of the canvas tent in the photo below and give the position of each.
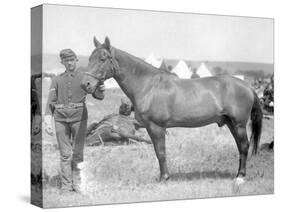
(240, 77)
(203, 71)
(182, 70)
(151, 59)
(163, 66)
(111, 83)
(54, 71)
(46, 84)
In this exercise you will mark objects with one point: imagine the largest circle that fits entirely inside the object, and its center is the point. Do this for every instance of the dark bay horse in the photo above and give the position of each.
(162, 100)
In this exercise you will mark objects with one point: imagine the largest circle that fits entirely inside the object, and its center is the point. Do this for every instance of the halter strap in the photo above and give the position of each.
(114, 67)
(97, 78)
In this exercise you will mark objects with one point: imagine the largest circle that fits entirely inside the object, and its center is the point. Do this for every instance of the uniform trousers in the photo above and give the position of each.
(71, 139)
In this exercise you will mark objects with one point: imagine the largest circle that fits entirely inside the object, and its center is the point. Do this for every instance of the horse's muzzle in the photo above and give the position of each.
(89, 85)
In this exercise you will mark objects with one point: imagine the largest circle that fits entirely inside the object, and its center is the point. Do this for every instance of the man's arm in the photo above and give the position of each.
(137, 124)
(125, 134)
(92, 127)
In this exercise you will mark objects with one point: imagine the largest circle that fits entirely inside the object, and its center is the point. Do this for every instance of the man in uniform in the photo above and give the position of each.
(66, 103)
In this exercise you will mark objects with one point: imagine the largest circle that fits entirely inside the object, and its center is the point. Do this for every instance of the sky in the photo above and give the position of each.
(167, 35)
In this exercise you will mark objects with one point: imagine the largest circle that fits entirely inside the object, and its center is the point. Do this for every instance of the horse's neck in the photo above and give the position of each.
(133, 74)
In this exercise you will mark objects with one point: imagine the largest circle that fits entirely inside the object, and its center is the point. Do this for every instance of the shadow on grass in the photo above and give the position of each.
(202, 175)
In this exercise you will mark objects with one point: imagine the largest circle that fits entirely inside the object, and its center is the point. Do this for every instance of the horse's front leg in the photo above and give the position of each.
(157, 135)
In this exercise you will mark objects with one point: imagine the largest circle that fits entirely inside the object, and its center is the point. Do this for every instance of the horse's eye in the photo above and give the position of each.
(103, 57)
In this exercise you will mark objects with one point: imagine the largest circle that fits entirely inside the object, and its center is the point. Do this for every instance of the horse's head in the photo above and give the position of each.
(102, 66)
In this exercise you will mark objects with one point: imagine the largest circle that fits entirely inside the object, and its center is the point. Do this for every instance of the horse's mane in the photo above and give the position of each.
(144, 63)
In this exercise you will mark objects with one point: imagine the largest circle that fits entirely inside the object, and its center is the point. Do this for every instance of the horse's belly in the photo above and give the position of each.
(195, 116)
(192, 122)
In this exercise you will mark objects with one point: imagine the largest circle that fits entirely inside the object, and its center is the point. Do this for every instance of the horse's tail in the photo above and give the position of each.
(256, 118)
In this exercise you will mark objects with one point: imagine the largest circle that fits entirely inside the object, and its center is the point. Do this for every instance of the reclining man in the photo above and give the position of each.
(115, 128)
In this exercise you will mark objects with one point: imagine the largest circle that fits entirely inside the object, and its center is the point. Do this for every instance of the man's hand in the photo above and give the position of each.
(99, 93)
(48, 125)
(102, 88)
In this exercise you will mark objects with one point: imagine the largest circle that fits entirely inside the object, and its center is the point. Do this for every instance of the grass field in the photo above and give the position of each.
(202, 163)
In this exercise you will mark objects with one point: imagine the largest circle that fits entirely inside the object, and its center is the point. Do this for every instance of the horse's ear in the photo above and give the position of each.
(96, 42)
(107, 43)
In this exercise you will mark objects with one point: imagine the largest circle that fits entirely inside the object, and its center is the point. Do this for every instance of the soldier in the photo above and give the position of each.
(115, 128)
(194, 74)
(66, 103)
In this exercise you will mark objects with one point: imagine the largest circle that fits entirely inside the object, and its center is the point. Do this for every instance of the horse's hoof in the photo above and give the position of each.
(236, 186)
(239, 181)
(164, 177)
(81, 165)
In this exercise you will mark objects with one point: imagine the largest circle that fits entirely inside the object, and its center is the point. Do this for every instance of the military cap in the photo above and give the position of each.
(65, 53)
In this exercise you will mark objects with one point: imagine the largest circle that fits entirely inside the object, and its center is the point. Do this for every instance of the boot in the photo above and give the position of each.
(66, 176)
(76, 178)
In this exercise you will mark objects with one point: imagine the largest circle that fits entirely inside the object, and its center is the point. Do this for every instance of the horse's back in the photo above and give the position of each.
(220, 85)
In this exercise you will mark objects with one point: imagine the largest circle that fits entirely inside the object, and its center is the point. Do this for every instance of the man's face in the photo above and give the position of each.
(69, 63)
(125, 109)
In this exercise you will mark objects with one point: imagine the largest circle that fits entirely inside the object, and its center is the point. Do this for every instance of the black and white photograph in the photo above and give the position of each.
(131, 106)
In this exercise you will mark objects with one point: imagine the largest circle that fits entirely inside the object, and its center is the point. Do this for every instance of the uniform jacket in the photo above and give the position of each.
(66, 89)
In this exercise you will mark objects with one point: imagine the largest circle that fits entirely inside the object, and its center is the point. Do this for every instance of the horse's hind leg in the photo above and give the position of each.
(239, 133)
(157, 135)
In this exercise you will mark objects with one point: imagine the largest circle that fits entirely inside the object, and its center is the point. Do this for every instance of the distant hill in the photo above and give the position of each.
(51, 63)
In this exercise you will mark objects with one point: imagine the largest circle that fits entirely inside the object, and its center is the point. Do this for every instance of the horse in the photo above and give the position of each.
(162, 100)
(36, 118)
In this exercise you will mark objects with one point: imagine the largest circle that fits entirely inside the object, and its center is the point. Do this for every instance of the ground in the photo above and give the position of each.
(202, 162)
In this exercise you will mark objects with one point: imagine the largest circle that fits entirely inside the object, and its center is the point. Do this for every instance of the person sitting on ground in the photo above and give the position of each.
(115, 128)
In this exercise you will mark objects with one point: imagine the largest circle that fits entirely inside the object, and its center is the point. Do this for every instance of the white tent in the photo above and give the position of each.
(151, 59)
(239, 77)
(55, 71)
(182, 70)
(163, 66)
(46, 84)
(111, 83)
(203, 71)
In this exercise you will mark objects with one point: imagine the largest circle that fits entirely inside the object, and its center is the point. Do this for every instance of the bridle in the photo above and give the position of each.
(102, 79)
(114, 68)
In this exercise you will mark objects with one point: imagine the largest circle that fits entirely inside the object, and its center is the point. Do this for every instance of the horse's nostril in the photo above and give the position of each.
(88, 83)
